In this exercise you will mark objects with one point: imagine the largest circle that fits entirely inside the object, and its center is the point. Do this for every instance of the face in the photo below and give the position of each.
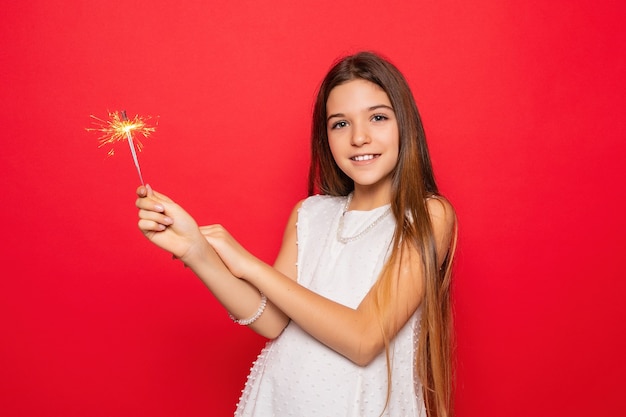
(363, 134)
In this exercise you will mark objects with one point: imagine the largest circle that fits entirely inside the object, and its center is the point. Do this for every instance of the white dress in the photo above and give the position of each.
(295, 375)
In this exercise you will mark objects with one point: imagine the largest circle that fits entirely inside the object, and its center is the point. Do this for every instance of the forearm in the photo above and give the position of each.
(354, 334)
(241, 298)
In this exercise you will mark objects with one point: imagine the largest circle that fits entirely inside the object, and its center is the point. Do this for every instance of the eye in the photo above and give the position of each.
(379, 118)
(339, 125)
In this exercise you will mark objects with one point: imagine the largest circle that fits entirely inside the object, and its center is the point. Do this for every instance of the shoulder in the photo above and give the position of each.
(315, 204)
(321, 203)
(443, 221)
(442, 215)
(441, 211)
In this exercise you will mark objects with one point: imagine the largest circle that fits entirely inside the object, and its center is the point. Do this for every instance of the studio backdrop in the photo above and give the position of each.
(523, 105)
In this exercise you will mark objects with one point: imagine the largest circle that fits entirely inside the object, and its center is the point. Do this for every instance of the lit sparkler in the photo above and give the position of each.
(119, 128)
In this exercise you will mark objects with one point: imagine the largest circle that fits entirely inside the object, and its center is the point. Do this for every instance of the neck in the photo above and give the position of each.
(370, 197)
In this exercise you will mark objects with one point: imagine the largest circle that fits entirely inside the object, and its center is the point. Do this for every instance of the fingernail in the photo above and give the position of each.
(168, 220)
(159, 207)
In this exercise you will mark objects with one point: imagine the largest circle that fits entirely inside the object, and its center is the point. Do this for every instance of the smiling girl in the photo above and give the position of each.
(357, 304)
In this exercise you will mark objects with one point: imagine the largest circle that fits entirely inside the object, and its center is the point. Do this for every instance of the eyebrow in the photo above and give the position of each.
(376, 107)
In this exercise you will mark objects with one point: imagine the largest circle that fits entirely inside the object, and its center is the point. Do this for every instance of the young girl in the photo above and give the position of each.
(357, 303)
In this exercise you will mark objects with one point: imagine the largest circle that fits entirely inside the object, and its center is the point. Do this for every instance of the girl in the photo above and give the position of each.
(357, 303)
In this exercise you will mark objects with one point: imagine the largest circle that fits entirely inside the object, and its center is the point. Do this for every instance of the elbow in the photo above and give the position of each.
(272, 329)
(368, 350)
(271, 334)
(363, 360)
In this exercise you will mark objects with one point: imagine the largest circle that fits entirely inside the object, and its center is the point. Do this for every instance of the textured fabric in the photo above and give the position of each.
(295, 375)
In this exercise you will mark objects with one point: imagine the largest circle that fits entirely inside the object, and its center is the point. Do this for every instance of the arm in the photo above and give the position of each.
(354, 333)
(169, 227)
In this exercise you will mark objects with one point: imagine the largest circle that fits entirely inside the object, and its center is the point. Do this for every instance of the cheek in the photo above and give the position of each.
(394, 142)
(333, 145)
(337, 158)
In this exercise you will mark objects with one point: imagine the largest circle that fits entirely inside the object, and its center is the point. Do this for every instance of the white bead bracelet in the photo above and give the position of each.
(248, 321)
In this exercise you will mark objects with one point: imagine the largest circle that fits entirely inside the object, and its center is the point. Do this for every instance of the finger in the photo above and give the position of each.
(146, 203)
(150, 226)
(213, 230)
(208, 227)
(158, 195)
(213, 227)
(156, 217)
(144, 191)
(146, 199)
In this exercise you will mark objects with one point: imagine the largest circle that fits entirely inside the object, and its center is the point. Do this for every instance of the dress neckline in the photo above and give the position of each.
(348, 199)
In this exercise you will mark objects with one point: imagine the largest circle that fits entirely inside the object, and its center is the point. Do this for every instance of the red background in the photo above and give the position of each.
(523, 105)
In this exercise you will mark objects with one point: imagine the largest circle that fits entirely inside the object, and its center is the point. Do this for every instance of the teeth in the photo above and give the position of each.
(363, 157)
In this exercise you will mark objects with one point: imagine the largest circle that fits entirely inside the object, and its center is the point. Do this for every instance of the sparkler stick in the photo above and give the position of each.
(119, 128)
(129, 136)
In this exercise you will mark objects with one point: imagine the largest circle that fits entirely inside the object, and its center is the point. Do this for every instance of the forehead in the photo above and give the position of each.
(356, 94)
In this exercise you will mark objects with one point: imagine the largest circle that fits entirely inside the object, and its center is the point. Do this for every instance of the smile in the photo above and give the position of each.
(364, 157)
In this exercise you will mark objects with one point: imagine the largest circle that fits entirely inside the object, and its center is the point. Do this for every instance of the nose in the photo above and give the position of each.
(360, 136)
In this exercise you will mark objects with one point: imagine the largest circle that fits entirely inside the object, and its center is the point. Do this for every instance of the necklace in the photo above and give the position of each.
(349, 239)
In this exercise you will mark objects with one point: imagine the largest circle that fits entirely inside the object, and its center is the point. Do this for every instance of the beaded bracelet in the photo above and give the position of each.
(246, 322)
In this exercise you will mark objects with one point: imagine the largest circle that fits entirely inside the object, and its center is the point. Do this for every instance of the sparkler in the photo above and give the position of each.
(119, 128)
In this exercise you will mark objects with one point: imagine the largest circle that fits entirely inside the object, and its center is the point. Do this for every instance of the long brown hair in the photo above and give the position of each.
(413, 183)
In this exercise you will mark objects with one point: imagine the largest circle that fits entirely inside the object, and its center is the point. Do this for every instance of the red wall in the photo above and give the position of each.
(523, 103)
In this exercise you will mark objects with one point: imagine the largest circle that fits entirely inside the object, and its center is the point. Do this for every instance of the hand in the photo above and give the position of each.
(238, 260)
(167, 225)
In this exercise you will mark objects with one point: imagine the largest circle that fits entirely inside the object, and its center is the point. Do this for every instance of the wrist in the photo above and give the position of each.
(198, 256)
(253, 271)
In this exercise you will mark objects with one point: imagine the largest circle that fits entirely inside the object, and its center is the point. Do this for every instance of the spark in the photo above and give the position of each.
(119, 128)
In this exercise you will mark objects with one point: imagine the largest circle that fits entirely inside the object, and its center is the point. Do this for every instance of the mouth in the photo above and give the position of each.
(368, 157)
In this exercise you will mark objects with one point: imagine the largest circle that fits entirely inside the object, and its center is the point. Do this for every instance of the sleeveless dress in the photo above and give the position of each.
(296, 375)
